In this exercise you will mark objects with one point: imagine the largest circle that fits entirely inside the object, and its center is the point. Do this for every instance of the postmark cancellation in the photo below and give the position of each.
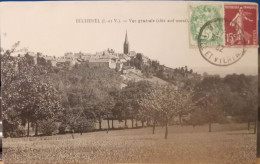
(222, 33)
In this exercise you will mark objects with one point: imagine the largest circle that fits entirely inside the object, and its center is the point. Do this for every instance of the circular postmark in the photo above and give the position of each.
(213, 48)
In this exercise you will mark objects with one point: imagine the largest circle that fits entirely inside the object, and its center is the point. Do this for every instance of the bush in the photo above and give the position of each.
(12, 129)
(47, 127)
(87, 126)
(62, 129)
(15, 134)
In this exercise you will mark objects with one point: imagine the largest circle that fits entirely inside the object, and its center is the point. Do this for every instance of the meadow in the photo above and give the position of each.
(226, 144)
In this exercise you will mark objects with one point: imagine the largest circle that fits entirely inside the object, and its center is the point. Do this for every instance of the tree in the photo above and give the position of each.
(150, 108)
(79, 120)
(137, 61)
(88, 89)
(208, 97)
(242, 101)
(103, 107)
(127, 100)
(29, 94)
(147, 71)
(47, 127)
(165, 102)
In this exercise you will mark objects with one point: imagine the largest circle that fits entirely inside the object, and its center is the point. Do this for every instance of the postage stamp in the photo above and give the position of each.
(199, 15)
(241, 21)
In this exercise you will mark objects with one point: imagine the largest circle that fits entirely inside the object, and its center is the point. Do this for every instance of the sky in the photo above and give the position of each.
(51, 28)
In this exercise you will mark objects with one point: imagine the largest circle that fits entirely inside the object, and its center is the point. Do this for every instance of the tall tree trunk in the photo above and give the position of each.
(142, 124)
(108, 125)
(81, 129)
(36, 128)
(255, 127)
(153, 127)
(72, 133)
(147, 123)
(136, 125)
(180, 122)
(132, 122)
(166, 129)
(100, 121)
(112, 123)
(28, 128)
(125, 123)
(209, 126)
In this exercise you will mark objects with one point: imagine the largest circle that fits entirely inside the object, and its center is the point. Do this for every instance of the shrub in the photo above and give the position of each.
(12, 129)
(47, 127)
(87, 126)
(62, 129)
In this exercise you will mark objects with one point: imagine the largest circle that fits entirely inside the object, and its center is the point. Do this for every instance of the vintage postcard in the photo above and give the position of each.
(129, 82)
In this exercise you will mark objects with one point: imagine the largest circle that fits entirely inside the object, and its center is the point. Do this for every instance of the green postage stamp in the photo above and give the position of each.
(199, 16)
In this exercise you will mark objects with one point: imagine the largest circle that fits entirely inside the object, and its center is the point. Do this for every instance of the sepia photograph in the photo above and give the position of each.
(129, 82)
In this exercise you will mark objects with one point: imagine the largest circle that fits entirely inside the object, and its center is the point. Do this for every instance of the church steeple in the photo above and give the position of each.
(126, 44)
(126, 40)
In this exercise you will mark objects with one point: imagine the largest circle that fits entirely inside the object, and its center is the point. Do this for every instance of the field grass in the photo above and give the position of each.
(227, 144)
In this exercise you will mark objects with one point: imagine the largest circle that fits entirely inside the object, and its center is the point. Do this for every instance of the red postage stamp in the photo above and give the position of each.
(241, 25)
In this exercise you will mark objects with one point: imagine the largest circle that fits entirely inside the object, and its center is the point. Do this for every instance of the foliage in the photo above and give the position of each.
(86, 94)
(208, 97)
(80, 96)
(137, 61)
(29, 94)
(242, 101)
(165, 102)
(47, 127)
(233, 95)
(127, 99)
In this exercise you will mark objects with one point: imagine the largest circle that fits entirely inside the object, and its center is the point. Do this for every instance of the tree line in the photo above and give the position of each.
(41, 96)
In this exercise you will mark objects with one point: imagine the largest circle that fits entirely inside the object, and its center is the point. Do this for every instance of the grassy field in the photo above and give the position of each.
(227, 144)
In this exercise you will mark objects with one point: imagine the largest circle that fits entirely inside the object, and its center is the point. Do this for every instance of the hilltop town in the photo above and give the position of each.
(131, 64)
(107, 58)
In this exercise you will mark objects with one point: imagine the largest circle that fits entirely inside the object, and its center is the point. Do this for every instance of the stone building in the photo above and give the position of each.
(105, 62)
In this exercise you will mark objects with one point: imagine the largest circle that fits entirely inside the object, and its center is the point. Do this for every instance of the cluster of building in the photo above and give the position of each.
(108, 58)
